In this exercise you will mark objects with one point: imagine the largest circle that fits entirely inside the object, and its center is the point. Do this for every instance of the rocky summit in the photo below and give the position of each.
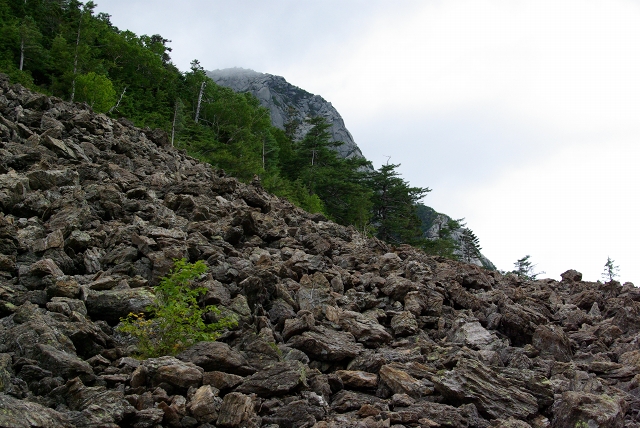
(289, 105)
(334, 329)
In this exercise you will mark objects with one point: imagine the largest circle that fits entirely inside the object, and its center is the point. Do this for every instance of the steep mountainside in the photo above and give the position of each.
(334, 330)
(288, 103)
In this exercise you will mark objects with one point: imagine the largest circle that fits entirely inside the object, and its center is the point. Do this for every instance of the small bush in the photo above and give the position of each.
(177, 320)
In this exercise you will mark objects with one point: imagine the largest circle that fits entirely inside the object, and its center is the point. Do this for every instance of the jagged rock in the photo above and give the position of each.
(94, 406)
(472, 334)
(64, 364)
(427, 302)
(148, 418)
(67, 288)
(277, 379)
(577, 409)
(519, 323)
(509, 423)
(404, 324)
(237, 410)
(492, 393)
(326, 344)
(397, 287)
(400, 382)
(552, 341)
(217, 356)
(205, 404)
(178, 375)
(304, 321)
(50, 179)
(45, 267)
(261, 349)
(433, 414)
(168, 373)
(111, 305)
(365, 329)
(357, 379)
(345, 401)
(298, 414)
(571, 276)
(315, 294)
(221, 380)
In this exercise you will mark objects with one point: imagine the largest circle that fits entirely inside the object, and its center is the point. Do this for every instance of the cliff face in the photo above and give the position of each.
(288, 103)
(334, 330)
(437, 222)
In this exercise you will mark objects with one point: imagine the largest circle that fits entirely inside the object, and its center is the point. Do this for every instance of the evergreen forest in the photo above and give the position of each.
(64, 49)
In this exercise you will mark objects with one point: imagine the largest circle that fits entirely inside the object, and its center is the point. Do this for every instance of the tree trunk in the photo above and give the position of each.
(200, 101)
(173, 125)
(75, 60)
(21, 52)
(120, 99)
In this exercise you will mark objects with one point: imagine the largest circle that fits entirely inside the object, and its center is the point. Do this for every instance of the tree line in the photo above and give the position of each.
(63, 48)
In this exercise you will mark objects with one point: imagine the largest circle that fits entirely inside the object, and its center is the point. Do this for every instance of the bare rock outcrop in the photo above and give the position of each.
(288, 104)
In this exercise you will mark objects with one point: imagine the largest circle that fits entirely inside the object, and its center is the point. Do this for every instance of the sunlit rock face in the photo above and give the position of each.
(288, 104)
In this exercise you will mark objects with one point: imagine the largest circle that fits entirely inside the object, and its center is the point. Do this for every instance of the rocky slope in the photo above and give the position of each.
(288, 103)
(335, 330)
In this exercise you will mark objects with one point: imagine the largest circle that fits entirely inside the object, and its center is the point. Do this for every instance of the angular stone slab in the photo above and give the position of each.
(217, 356)
(279, 379)
(492, 393)
(325, 344)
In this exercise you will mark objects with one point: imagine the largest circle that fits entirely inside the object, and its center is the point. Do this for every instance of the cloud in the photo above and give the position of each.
(567, 63)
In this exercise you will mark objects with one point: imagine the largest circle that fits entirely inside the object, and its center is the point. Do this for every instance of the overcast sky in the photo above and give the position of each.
(522, 116)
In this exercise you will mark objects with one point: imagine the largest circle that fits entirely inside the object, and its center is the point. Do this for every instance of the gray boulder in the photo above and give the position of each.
(217, 356)
(25, 414)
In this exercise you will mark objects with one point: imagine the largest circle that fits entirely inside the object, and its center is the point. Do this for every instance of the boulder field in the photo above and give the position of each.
(334, 329)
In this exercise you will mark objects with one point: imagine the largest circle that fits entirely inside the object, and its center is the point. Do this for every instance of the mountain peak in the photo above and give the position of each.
(288, 103)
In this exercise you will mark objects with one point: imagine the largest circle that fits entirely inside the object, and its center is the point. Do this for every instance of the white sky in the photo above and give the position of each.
(522, 116)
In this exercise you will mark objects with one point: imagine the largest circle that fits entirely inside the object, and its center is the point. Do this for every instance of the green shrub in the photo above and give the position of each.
(177, 320)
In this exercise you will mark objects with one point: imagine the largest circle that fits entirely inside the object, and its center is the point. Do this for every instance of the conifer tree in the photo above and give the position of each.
(610, 270)
(525, 269)
(469, 246)
(394, 210)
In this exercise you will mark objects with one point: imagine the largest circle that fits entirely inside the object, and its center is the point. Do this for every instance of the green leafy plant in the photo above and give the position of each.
(177, 319)
(97, 90)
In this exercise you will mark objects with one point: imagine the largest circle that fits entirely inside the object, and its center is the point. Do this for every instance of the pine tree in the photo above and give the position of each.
(394, 213)
(469, 246)
(610, 270)
(525, 269)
